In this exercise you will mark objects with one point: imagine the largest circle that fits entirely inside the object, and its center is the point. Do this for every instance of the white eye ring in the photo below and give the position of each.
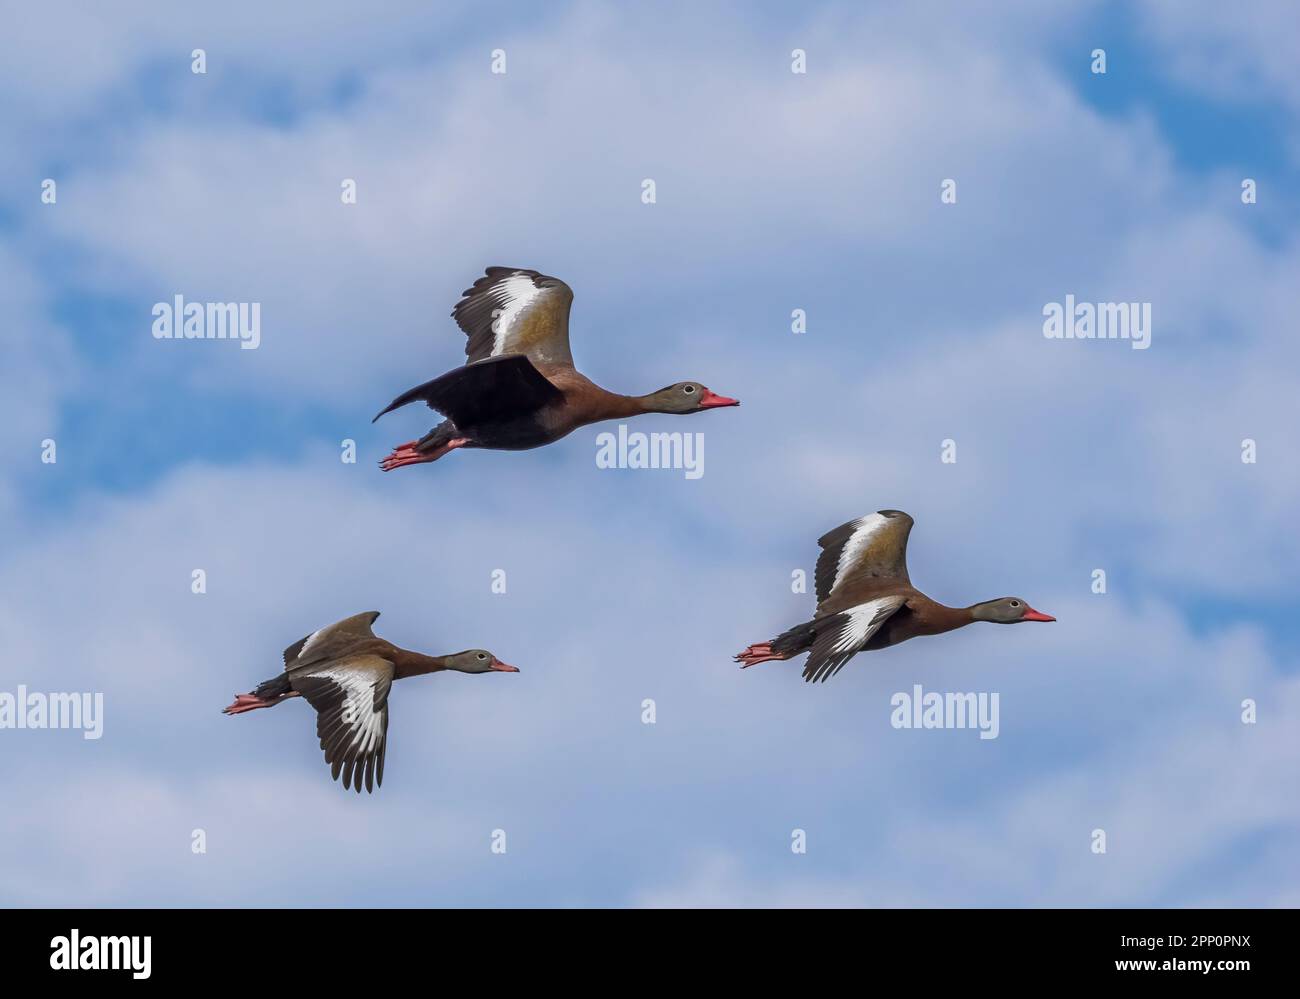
(689, 389)
(481, 656)
(1015, 603)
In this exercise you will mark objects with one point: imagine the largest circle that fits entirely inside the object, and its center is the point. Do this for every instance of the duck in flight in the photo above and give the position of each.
(518, 388)
(344, 671)
(865, 600)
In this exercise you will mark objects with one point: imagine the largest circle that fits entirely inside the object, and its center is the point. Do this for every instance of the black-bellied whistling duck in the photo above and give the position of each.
(345, 672)
(518, 388)
(865, 600)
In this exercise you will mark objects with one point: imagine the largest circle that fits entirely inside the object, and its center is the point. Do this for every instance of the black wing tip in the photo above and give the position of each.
(353, 781)
(420, 393)
(395, 404)
(491, 274)
(495, 273)
(838, 533)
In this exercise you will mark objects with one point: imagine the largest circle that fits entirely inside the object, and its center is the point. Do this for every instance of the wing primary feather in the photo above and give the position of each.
(839, 637)
(350, 696)
(516, 310)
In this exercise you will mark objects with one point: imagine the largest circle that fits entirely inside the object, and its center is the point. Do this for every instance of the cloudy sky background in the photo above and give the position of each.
(775, 192)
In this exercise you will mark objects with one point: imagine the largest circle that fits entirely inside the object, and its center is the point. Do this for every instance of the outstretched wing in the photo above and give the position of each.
(330, 639)
(511, 310)
(841, 636)
(350, 696)
(871, 547)
(496, 388)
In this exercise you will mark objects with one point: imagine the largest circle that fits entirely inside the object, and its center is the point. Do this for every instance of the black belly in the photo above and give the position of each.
(521, 434)
(898, 627)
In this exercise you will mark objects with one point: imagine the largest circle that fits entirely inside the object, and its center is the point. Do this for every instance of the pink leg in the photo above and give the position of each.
(406, 454)
(249, 702)
(755, 654)
(246, 702)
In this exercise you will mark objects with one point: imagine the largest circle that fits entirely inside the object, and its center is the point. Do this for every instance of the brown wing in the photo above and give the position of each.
(350, 696)
(871, 547)
(511, 310)
(331, 638)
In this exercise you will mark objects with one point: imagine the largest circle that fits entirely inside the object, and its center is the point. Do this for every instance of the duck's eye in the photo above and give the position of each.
(1015, 603)
(482, 656)
(689, 389)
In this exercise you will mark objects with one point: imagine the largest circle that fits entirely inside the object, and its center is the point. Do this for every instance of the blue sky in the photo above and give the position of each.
(776, 191)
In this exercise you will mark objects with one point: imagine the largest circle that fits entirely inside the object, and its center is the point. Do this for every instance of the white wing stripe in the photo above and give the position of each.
(864, 531)
(306, 646)
(512, 296)
(859, 627)
(359, 715)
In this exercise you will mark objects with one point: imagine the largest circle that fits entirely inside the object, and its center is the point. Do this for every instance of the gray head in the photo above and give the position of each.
(1007, 610)
(686, 397)
(478, 661)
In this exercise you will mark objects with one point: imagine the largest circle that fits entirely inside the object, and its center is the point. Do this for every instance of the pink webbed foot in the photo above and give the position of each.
(406, 454)
(251, 702)
(759, 653)
(245, 702)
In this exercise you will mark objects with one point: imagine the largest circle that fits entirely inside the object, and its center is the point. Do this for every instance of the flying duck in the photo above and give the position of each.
(345, 672)
(519, 388)
(865, 600)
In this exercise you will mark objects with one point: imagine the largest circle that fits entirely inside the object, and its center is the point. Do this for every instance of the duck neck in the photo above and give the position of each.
(949, 618)
(623, 406)
(976, 612)
(416, 664)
